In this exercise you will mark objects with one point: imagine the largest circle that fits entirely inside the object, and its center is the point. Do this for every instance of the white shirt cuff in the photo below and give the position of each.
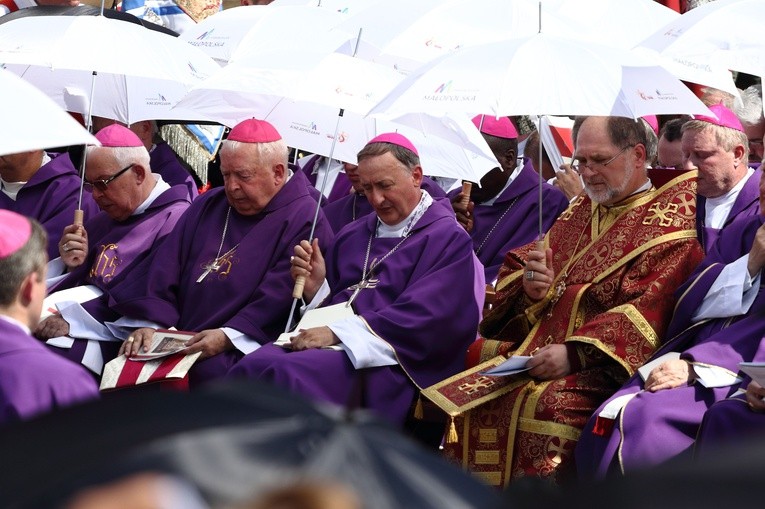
(364, 349)
(241, 341)
(322, 294)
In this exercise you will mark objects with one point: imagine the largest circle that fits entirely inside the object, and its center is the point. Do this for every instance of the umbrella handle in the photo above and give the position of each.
(297, 290)
(79, 216)
(466, 188)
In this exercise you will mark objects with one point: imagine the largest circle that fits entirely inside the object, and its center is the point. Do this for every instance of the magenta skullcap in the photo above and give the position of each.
(116, 135)
(653, 121)
(15, 231)
(394, 139)
(725, 118)
(253, 130)
(500, 127)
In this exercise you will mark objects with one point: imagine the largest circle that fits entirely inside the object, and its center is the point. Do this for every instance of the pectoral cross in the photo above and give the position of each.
(362, 285)
(213, 267)
(560, 288)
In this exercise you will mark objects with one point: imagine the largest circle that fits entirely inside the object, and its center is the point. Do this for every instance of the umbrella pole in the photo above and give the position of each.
(541, 180)
(297, 290)
(79, 214)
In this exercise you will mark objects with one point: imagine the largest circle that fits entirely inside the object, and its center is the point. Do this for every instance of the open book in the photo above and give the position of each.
(318, 317)
(164, 343)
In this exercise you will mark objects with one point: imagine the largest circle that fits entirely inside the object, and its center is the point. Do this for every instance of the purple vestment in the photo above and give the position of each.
(34, 380)
(747, 204)
(355, 205)
(51, 197)
(655, 427)
(164, 161)
(118, 251)
(424, 307)
(252, 290)
(513, 220)
(342, 185)
(727, 423)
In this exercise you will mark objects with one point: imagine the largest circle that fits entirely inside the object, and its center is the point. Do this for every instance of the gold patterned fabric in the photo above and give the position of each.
(622, 266)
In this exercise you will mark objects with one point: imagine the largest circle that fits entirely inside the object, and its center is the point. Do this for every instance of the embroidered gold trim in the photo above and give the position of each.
(639, 321)
(575, 309)
(600, 346)
(554, 429)
(513, 428)
(487, 435)
(487, 457)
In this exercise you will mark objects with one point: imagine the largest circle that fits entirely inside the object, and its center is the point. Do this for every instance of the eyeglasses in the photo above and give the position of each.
(579, 166)
(103, 184)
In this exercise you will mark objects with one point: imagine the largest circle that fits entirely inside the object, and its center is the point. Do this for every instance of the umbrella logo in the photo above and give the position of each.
(673, 32)
(341, 137)
(446, 92)
(443, 88)
(668, 96)
(308, 127)
(644, 96)
(201, 40)
(204, 35)
(158, 100)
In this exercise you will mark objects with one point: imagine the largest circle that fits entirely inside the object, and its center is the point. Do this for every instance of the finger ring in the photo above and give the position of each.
(529, 275)
(66, 247)
(130, 339)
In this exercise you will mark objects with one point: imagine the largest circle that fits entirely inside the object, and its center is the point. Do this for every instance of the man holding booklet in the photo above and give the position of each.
(717, 324)
(399, 295)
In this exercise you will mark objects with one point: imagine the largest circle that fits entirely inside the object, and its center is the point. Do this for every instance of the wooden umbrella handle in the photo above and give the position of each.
(79, 216)
(466, 188)
(297, 290)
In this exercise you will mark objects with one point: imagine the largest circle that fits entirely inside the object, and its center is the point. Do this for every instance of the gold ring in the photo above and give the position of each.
(130, 339)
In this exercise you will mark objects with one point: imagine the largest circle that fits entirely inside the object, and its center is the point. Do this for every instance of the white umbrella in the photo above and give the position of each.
(304, 105)
(236, 32)
(137, 73)
(32, 121)
(702, 44)
(542, 74)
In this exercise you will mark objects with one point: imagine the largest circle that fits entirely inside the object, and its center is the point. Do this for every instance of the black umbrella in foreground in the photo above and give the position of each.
(233, 443)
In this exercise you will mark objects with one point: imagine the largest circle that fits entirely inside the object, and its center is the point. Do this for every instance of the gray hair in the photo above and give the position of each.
(652, 143)
(124, 156)
(402, 154)
(725, 137)
(623, 132)
(274, 151)
(32, 257)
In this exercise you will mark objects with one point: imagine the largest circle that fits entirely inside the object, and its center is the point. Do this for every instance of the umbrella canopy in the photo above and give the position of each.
(232, 442)
(33, 121)
(702, 44)
(141, 72)
(542, 74)
(233, 33)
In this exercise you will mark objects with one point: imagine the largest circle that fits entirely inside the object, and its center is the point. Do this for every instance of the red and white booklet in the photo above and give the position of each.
(165, 360)
(556, 139)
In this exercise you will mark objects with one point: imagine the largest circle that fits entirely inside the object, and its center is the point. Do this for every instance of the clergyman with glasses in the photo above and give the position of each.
(589, 304)
(138, 209)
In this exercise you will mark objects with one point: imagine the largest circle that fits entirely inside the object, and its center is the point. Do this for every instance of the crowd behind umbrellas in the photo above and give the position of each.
(680, 143)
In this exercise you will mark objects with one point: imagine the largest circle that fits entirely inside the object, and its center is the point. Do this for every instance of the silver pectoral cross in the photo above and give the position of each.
(362, 285)
(213, 267)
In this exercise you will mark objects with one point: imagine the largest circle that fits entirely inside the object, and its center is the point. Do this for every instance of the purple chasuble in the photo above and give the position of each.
(51, 197)
(34, 380)
(119, 250)
(342, 185)
(513, 220)
(727, 423)
(657, 426)
(252, 290)
(164, 161)
(424, 306)
(355, 205)
(747, 204)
